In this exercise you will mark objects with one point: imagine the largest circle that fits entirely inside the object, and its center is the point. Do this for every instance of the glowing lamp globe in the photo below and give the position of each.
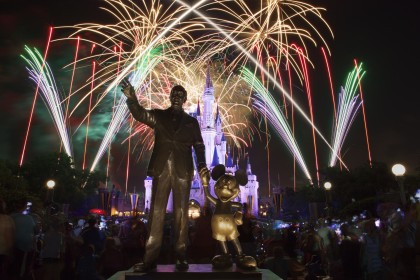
(398, 169)
(51, 184)
(327, 186)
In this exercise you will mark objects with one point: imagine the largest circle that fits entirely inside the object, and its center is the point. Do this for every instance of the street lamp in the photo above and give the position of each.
(327, 187)
(399, 171)
(50, 186)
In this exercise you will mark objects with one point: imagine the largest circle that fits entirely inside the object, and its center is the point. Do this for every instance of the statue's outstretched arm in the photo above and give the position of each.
(139, 112)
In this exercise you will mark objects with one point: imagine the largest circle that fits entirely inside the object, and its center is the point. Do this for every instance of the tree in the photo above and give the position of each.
(14, 187)
(73, 186)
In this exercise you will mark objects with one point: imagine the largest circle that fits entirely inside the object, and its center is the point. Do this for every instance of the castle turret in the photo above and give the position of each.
(249, 192)
(215, 158)
(148, 193)
(208, 130)
(218, 123)
(208, 100)
(198, 112)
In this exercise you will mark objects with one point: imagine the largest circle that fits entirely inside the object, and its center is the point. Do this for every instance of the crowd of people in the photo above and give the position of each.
(370, 248)
(53, 248)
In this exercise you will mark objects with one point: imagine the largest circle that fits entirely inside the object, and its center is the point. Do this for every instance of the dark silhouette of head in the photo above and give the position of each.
(178, 97)
(92, 222)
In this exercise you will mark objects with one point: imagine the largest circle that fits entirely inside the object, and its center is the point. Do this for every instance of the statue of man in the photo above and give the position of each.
(171, 167)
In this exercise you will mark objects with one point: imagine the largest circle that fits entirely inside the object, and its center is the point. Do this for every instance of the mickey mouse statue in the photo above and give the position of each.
(224, 223)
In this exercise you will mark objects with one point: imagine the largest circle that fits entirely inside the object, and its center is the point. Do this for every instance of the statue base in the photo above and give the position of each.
(196, 272)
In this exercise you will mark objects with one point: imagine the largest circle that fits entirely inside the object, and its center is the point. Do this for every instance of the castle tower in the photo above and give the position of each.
(249, 192)
(220, 138)
(208, 130)
(148, 192)
(148, 182)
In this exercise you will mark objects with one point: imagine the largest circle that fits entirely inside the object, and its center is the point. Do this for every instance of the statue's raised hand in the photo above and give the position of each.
(205, 176)
(128, 89)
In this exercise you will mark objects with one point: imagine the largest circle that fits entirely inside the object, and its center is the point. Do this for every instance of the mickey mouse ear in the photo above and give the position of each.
(218, 171)
(241, 177)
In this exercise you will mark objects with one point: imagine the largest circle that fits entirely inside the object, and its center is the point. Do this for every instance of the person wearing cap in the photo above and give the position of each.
(92, 236)
(171, 167)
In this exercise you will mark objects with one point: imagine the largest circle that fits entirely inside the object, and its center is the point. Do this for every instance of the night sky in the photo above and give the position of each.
(381, 34)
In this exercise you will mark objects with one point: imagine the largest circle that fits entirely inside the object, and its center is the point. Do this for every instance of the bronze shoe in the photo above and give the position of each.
(142, 267)
(246, 262)
(222, 261)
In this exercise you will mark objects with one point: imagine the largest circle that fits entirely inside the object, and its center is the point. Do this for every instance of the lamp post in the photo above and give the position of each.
(399, 171)
(327, 187)
(50, 186)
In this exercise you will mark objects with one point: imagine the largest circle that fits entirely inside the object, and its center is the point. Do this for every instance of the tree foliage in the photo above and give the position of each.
(72, 186)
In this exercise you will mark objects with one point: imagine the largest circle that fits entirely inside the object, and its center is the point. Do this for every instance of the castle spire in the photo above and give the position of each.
(215, 158)
(218, 120)
(248, 167)
(208, 103)
(209, 83)
(198, 108)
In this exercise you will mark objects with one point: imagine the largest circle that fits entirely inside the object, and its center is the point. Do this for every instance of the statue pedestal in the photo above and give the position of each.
(196, 272)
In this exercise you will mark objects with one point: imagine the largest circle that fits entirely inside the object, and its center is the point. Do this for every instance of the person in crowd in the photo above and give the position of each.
(111, 259)
(399, 248)
(7, 238)
(350, 254)
(92, 236)
(290, 240)
(72, 251)
(79, 227)
(328, 238)
(311, 244)
(372, 255)
(24, 249)
(86, 266)
(278, 263)
(203, 245)
(246, 236)
(132, 236)
(52, 252)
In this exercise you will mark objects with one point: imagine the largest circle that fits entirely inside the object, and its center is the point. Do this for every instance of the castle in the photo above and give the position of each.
(216, 153)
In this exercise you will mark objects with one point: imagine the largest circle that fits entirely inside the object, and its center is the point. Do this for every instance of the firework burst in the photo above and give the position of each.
(40, 73)
(266, 105)
(348, 106)
(265, 28)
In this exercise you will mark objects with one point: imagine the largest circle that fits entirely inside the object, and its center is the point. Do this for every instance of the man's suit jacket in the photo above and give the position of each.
(168, 139)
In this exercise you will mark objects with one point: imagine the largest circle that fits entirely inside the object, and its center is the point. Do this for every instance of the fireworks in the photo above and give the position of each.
(41, 74)
(348, 105)
(267, 106)
(265, 28)
(159, 45)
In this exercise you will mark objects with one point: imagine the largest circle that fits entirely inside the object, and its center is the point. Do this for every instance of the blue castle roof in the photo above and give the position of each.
(215, 158)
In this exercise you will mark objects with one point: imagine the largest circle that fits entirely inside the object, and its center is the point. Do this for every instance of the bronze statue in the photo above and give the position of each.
(224, 223)
(171, 167)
